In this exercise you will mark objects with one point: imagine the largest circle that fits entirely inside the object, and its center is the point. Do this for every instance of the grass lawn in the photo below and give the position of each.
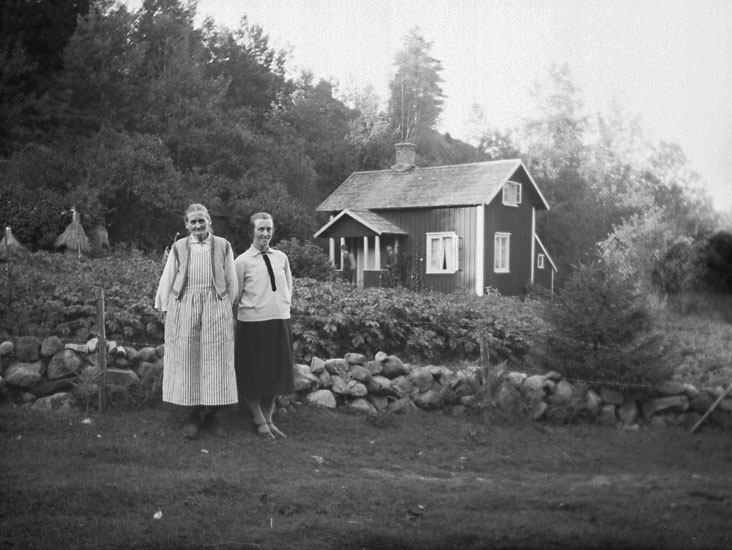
(343, 481)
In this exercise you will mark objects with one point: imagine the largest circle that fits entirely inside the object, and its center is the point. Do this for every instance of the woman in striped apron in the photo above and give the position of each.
(197, 291)
(264, 358)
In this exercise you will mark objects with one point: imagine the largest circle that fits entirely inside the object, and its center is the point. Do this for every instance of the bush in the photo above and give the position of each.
(307, 260)
(331, 319)
(602, 331)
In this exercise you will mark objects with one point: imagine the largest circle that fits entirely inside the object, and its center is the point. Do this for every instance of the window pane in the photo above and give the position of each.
(435, 255)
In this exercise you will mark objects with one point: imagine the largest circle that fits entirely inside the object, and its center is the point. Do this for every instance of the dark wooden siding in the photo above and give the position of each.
(348, 227)
(515, 220)
(418, 222)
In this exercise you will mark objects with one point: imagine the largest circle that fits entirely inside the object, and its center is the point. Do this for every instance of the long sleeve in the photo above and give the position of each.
(232, 281)
(166, 283)
(288, 277)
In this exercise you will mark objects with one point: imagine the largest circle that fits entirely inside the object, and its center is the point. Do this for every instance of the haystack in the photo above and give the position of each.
(73, 239)
(9, 245)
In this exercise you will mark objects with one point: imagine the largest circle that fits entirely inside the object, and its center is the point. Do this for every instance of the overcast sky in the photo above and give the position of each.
(669, 62)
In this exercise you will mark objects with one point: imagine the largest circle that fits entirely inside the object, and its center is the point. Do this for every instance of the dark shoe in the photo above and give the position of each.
(193, 425)
(211, 423)
(191, 430)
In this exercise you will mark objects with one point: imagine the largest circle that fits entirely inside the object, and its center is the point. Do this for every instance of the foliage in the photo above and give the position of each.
(330, 319)
(680, 269)
(415, 94)
(307, 260)
(602, 330)
(57, 294)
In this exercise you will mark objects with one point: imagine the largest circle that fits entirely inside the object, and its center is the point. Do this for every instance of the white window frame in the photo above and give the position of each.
(512, 194)
(501, 257)
(540, 261)
(441, 237)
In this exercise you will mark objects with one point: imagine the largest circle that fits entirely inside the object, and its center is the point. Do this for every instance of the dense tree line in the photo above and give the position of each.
(129, 116)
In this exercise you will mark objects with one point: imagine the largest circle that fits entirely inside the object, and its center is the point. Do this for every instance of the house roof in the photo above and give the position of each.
(452, 185)
(368, 219)
(543, 251)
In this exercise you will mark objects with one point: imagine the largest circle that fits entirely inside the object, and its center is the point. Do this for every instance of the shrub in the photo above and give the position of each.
(307, 260)
(602, 331)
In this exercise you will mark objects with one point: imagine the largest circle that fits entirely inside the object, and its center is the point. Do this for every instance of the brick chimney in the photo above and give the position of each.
(405, 155)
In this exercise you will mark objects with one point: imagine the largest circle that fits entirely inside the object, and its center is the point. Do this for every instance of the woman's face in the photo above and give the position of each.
(197, 224)
(263, 229)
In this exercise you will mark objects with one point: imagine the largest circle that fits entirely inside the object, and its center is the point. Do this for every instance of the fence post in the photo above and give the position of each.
(102, 350)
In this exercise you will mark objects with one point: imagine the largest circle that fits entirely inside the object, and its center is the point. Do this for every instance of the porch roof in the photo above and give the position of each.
(366, 218)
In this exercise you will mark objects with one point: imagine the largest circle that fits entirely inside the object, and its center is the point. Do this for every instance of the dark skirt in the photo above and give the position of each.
(263, 358)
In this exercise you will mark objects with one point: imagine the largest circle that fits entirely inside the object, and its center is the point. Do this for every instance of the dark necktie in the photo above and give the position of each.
(269, 270)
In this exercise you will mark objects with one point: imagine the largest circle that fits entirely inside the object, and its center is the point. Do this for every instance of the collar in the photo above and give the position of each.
(255, 251)
(207, 240)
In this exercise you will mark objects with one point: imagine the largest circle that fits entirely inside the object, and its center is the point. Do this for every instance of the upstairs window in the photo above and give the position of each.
(512, 194)
(502, 248)
(540, 261)
(442, 252)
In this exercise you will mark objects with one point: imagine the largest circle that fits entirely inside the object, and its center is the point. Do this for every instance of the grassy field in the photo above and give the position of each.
(344, 481)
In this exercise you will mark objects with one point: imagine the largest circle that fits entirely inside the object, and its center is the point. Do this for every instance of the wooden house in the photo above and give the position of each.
(466, 227)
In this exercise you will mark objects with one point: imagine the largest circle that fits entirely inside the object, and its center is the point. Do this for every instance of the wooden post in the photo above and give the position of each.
(102, 350)
(711, 409)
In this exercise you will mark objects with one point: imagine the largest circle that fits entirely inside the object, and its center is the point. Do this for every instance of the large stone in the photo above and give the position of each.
(402, 387)
(338, 367)
(538, 410)
(317, 365)
(322, 398)
(6, 348)
(380, 402)
(360, 374)
(28, 349)
(305, 381)
(607, 416)
(593, 402)
(628, 412)
(379, 385)
(147, 370)
(403, 405)
(374, 367)
(64, 363)
(122, 377)
(611, 396)
(673, 403)
(354, 358)
(147, 354)
(60, 402)
(393, 367)
(22, 374)
(516, 379)
(533, 383)
(422, 378)
(563, 393)
(671, 387)
(362, 405)
(508, 398)
(725, 404)
(325, 380)
(78, 348)
(356, 389)
(340, 386)
(428, 400)
(380, 357)
(51, 345)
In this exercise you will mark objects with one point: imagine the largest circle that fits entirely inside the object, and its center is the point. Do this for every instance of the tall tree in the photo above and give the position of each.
(415, 102)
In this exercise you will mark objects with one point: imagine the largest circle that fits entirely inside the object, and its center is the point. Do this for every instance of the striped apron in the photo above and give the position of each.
(199, 340)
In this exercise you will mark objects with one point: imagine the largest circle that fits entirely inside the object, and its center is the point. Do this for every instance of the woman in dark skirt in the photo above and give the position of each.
(263, 346)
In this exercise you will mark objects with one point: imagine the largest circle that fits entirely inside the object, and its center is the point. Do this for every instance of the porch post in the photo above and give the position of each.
(365, 251)
(479, 250)
(377, 252)
(331, 250)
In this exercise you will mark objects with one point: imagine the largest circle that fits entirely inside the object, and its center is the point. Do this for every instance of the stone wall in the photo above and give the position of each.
(45, 374)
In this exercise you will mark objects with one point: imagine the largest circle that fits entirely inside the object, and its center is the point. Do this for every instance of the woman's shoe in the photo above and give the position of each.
(264, 431)
(275, 431)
